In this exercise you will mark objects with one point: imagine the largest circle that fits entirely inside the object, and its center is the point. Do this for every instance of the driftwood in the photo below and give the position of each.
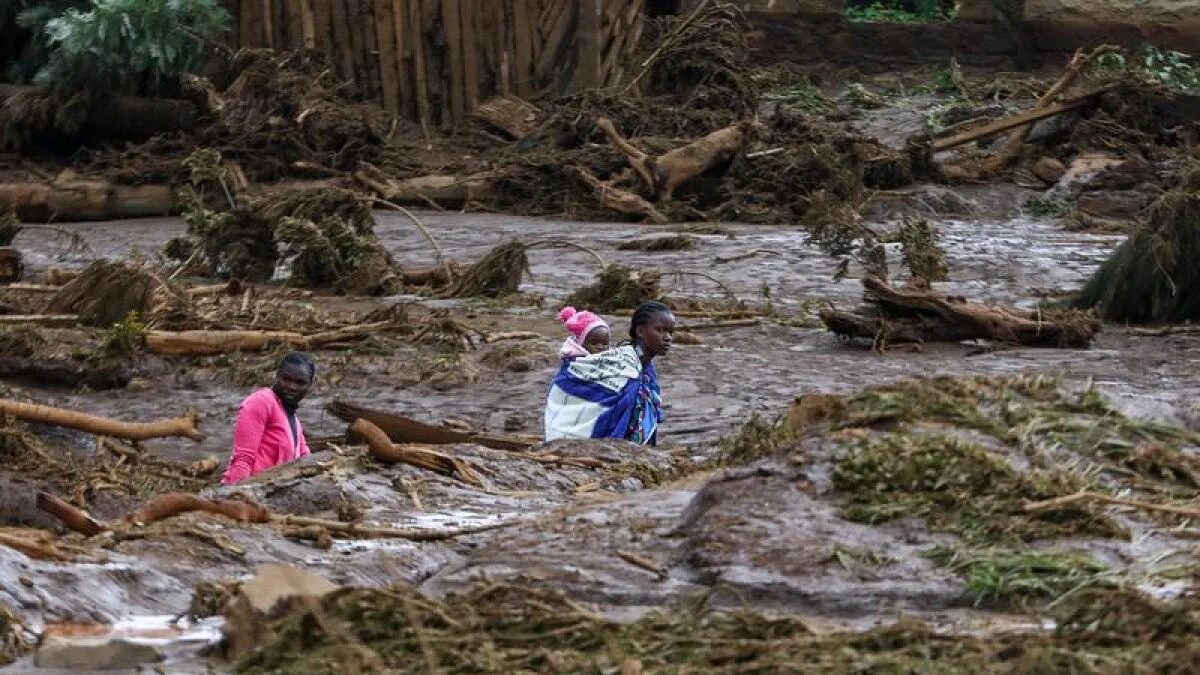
(917, 315)
(439, 191)
(1012, 148)
(421, 457)
(664, 174)
(515, 116)
(43, 320)
(401, 429)
(209, 342)
(85, 200)
(178, 503)
(1002, 125)
(37, 544)
(102, 426)
(1071, 500)
(620, 200)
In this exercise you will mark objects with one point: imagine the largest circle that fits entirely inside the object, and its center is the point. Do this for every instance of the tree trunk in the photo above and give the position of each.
(117, 118)
(102, 426)
(86, 200)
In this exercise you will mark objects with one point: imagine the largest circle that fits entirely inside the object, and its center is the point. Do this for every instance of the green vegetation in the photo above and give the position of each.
(1175, 70)
(1002, 578)
(123, 46)
(921, 250)
(502, 628)
(894, 11)
(1047, 207)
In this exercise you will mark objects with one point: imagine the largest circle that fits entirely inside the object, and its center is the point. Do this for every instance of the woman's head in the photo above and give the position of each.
(294, 378)
(590, 331)
(652, 328)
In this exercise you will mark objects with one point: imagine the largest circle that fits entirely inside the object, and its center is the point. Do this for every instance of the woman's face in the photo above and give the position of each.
(597, 340)
(292, 383)
(655, 335)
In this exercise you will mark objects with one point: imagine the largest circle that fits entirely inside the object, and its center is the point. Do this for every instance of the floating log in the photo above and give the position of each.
(102, 426)
(917, 315)
(401, 429)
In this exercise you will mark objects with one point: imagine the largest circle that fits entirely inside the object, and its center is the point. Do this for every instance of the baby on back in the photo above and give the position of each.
(589, 333)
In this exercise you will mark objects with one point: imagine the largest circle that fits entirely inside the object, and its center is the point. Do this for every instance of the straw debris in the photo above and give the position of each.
(618, 287)
(498, 628)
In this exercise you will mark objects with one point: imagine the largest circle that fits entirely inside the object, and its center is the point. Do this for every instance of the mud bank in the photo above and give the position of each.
(800, 30)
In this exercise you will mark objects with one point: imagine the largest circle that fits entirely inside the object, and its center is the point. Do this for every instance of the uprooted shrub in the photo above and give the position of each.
(1152, 276)
(326, 237)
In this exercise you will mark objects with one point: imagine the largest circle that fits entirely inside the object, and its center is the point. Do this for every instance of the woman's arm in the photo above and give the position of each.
(247, 440)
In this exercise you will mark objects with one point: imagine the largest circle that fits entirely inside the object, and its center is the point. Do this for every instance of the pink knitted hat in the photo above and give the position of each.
(580, 323)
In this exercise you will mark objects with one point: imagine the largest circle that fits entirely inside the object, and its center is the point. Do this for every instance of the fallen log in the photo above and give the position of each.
(43, 320)
(401, 429)
(110, 118)
(918, 315)
(619, 200)
(61, 200)
(102, 426)
(664, 174)
(1002, 125)
(211, 342)
(177, 503)
(1012, 148)
(74, 518)
(414, 455)
(439, 191)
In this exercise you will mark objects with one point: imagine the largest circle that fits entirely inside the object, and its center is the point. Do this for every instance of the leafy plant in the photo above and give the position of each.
(1046, 206)
(1172, 69)
(922, 251)
(894, 11)
(29, 19)
(128, 46)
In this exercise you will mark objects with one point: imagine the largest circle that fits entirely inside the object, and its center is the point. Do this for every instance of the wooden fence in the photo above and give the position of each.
(437, 60)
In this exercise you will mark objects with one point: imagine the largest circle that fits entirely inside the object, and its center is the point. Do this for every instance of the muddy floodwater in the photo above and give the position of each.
(562, 533)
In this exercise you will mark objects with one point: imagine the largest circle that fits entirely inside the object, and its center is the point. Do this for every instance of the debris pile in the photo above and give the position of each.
(1148, 278)
(500, 628)
(325, 237)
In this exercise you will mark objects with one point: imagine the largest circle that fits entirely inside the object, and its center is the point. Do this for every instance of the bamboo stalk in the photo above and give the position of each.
(1072, 500)
(103, 426)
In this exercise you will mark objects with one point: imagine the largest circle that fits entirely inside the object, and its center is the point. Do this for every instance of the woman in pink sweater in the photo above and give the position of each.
(268, 433)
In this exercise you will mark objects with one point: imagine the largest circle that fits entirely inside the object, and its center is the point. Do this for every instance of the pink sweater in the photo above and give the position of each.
(262, 438)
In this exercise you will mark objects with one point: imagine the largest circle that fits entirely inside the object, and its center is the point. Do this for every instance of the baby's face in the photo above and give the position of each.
(597, 340)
